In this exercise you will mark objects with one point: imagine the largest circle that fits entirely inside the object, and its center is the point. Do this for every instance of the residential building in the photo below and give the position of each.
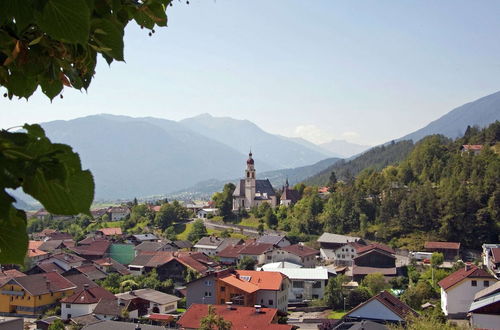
(251, 192)
(374, 258)
(450, 250)
(289, 196)
(56, 245)
(249, 287)
(32, 294)
(484, 311)
(491, 258)
(211, 245)
(114, 310)
(115, 325)
(165, 245)
(300, 254)
(306, 283)
(475, 149)
(153, 300)
(382, 308)
(109, 233)
(459, 288)
(261, 252)
(276, 240)
(241, 317)
(183, 244)
(329, 243)
(110, 265)
(92, 249)
(117, 213)
(44, 324)
(34, 254)
(203, 289)
(345, 254)
(206, 212)
(230, 255)
(84, 301)
(65, 261)
(139, 238)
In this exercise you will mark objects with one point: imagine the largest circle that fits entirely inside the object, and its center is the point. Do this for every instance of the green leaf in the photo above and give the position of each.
(51, 88)
(66, 20)
(20, 10)
(13, 237)
(21, 84)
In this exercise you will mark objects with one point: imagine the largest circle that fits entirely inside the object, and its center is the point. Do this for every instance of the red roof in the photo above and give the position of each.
(495, 252)
(362, 249)
(300, 250)
(239, 316)
(471, 271)
(89, 296)
(255, 248)
(472, 146)
(35, 253)
(442, 245)
(110, 231)
(34, 244)
(161, 317)
(230, 251)
(252, 280)
(97, 248)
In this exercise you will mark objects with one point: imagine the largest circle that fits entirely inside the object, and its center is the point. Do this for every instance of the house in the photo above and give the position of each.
(345, 254)
(65, 261)
(89, 270)
(154, 301)
(276, 240)
(300, 254)
(206, 212)
(173, 265)
(183, 244)
(56, 245)
(203, 289)
(475, 149)
(79, 322)
(289, 196)
(491, 258)
(484, 311)
(108, 233)
(32, 294)
(80, 281)
(230, 255)
(44, 324)
(139, 238)
(332, 241)
(211, 245)
(34, 254)
(306, 283)
(114, 310)
(261, 252)
(155, 246)
(241, 317)
(450, 250)
(117, 213)
(98, 213)
(92, 249)
(84, 301)
(250, 287)
(459, 288)
(115, 325)
(251, 192)
(382, 308)
(374, 258)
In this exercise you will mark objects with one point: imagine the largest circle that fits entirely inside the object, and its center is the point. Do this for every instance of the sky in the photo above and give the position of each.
(363, 71)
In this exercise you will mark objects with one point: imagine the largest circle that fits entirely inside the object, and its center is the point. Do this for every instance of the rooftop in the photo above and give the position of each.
(392, 303)
(335, 238)
(150, 295)
(39, 284)
(110, 231)
(300, 250)
(318, 273)
(270, 239)
(471, 271)
(89, 296)
(442, 245)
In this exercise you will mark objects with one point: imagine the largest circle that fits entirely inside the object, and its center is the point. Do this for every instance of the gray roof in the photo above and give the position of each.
(261, 186)
(335, 238)
(491, 290)
(150, 295)
(183, 244)
(85, 319)
(209, 241)
(484, 302)
(115, 325)
(270, 239)
(153, 246)
(145, 237)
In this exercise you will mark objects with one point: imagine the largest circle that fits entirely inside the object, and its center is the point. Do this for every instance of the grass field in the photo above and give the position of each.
(336, 315)
(182, 230)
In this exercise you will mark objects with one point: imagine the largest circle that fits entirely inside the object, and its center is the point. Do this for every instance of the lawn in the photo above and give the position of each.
(182, 230)
(336, 315)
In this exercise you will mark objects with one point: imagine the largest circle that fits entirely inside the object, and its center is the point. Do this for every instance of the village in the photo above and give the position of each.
(242, 276)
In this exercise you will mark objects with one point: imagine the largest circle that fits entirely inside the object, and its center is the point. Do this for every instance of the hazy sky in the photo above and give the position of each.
(365, 71)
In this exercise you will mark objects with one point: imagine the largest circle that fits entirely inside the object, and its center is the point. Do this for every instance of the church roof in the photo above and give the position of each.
(261, 186)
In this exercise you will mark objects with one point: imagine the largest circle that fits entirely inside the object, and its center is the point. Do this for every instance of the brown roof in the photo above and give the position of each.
(110, 231)
(196, 261)
(39, 284)
(255, 248)
(364, 248)
(92, 272)
(290, 194)
(97, 248)
(471, 271)
(115, 265)
(48, 267)
(231, 251)
(300, 250)
(89, 296)
(239, 316)
(442, 245)
(68, 257)
(495, 253)
(392, 303)
(359, 270)
(472, 146)
(7, 275)
(110, 307)
(80, 280)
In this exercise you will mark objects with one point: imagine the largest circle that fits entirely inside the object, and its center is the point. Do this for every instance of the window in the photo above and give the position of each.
(352, 250)
(268, 257)
(271, 302)
(338, 256)
(237, 299)
(315, 296)
(317, 285)
(222, 301)
(69, 316)
(298, 284)
(486, 284)
(222, 289)
(474, 283)
(208, 283)
(68, 305)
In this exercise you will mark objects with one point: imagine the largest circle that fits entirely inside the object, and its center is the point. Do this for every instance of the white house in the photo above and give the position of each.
(204, 213)
(211, 245)
(83, 302)
(485, 309)
(306, 283)
(383, 308)
(459, 288)
(117, 213)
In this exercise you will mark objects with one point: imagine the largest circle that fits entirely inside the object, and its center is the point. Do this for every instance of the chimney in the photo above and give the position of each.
(47, 283)
(132, 293)
(229, 305)
(257, 309)
(85, 287)
(468, 266)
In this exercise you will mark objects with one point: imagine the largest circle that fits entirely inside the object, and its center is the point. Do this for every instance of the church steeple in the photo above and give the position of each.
(250, 170)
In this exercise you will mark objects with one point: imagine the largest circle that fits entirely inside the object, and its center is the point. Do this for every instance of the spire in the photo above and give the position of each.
(286, 182)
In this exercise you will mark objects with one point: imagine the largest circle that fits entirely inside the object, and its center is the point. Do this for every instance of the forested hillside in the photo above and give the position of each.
(437, 192)
(376, 158)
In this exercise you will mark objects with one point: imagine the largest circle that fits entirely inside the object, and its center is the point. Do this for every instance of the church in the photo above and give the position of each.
(251, 192)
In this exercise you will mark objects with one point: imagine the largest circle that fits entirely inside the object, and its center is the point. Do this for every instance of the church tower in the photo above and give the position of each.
(249, 182)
